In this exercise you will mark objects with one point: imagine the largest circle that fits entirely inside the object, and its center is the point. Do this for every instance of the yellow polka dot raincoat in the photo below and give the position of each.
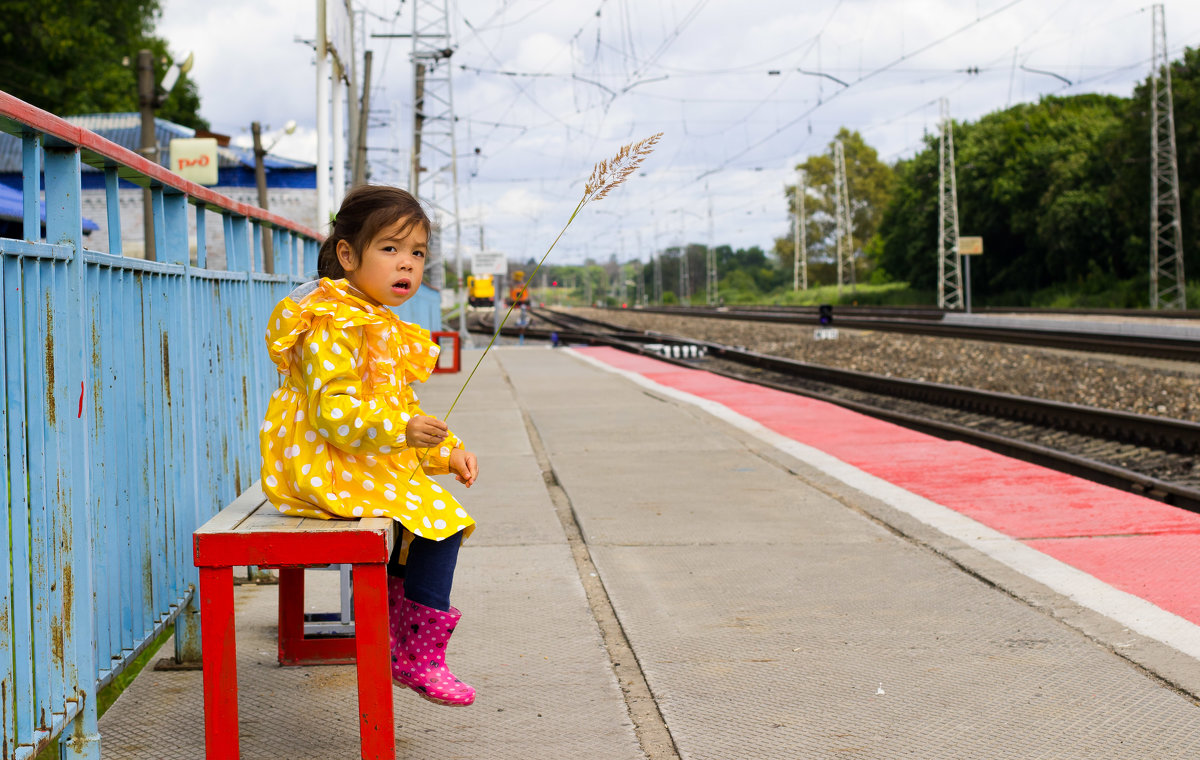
(333, 441)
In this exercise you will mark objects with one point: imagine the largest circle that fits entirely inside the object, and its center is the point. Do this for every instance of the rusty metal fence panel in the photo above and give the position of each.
(132, 394)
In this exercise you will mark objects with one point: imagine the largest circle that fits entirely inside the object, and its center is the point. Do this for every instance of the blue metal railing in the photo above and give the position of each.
(132, 395)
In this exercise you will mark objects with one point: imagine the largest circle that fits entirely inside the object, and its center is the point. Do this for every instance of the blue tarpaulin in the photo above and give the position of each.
(12, 209)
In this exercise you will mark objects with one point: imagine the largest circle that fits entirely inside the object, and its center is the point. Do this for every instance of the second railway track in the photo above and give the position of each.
(1155, 456)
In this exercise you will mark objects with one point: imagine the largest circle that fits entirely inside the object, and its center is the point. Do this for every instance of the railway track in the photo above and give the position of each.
(926, 321)
(1155, 456)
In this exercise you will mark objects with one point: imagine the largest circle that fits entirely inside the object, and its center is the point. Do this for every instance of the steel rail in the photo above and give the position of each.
(929, 323)
(1177, 436)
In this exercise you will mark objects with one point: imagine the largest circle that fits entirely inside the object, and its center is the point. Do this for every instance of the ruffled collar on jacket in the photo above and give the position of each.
(336, 304)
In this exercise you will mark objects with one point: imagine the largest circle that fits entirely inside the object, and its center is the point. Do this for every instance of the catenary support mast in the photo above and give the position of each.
(1167, 282)
(950, 284)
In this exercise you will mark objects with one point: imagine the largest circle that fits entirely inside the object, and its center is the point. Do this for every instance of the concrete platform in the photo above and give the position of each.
(763, 609)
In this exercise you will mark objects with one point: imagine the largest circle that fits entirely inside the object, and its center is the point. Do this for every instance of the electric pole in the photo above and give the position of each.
(800, 262)
(950, 283)
(147, 102)
(359, 162)
(1167, 283)
(713, 296)
(260, 179)
(845, 227)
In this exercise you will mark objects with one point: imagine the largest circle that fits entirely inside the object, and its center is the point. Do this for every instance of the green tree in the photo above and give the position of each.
(69, 57)
(870, 183)
(1033, 180)
(1130, 146)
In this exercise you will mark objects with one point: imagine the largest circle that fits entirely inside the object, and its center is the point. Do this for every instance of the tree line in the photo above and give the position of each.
(1058, 189)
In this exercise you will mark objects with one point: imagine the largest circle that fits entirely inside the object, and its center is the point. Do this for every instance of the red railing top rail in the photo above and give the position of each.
(98, 152)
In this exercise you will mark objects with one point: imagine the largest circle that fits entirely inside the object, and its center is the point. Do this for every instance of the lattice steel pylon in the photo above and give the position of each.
(685, 277)
(950, 284)
(800, 252)
(1167, 284)
(845, 225)
(433, 175)
(713, 293)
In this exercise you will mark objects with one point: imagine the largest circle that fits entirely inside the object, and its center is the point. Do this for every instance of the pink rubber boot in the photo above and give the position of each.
(419, 658)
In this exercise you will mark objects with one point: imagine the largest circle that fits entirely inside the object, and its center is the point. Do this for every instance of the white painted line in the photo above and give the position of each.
(1133, 612)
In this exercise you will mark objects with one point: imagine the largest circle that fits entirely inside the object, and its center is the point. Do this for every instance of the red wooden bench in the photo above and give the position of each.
(250, 531)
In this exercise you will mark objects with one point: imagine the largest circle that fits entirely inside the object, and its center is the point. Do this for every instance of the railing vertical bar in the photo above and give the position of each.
(41, 569)
(98, 444)
(126, 310)
(112, 205)
(142, 495)
(18, 493)
(64, 225)
(152, 382)
(256, 246)
(201, 240)
(177, 440)
(240, 346)
(106, 411)
(8, 631)
(31, 180)
(160, 228)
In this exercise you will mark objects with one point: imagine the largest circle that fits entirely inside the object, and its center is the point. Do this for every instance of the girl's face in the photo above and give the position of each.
(389, 270)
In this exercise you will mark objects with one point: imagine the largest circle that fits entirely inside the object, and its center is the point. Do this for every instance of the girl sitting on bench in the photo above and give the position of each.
(344, 435)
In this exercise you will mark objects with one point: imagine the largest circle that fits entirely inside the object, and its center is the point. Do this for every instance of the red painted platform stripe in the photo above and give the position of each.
(1135, 544)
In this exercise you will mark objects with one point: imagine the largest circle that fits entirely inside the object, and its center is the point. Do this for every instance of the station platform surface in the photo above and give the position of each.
(670, 564)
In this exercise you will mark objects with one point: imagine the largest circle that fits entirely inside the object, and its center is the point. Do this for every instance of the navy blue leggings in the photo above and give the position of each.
(429, 572)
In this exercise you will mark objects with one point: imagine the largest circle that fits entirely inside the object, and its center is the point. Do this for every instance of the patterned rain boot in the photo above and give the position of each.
(419, 658)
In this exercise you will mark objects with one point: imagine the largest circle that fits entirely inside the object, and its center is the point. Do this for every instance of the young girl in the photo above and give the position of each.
(344, 435)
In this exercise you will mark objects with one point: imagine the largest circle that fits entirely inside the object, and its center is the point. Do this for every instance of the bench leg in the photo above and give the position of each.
(220, 663)
(294, 647)
(376, 721)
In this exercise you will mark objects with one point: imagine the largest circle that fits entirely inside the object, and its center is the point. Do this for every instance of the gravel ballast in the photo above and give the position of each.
(1145, 386)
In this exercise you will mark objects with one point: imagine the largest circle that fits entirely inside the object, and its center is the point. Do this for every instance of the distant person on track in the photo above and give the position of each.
(344, 435)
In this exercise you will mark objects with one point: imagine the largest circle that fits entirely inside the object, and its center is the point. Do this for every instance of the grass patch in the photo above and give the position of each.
(108, 695)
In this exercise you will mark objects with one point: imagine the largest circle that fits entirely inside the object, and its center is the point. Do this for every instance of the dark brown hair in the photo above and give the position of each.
(366, 210)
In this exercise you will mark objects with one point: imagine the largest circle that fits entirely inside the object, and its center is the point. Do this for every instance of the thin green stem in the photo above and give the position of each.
(496, 333)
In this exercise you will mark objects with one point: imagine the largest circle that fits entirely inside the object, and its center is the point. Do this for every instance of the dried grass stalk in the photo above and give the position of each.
(606, 175)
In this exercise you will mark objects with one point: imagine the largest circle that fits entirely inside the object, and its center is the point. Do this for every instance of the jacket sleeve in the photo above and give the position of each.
(437, 459)
(332, 371)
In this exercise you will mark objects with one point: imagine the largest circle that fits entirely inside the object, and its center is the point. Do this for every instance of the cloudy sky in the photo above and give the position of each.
(742, 91)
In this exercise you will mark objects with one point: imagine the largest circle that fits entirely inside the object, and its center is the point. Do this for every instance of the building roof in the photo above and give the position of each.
(125, 129)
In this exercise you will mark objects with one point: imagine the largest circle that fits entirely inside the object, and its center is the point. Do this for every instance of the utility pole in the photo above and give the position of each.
(950, 281)
(260, 179)
(1167, 283)
(800, 262)
(845, 227)
(713, 296)
(414, 170)
(147, 102)
(359, 175)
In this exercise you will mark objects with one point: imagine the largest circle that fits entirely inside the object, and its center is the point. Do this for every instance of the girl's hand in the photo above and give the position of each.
(464, 466)
(425, 432)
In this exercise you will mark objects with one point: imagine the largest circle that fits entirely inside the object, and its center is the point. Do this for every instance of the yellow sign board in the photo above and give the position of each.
(195, 159)
(970, 246)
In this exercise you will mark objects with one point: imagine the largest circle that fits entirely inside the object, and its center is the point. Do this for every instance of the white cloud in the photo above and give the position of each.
(643, 66)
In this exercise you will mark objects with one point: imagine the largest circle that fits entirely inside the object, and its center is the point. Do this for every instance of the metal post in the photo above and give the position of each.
(147, 99)
(1167, 282)
(260, 179)
(414, 172)
(360, 157)
(323, 200)
(845, 225)
(950, 281)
